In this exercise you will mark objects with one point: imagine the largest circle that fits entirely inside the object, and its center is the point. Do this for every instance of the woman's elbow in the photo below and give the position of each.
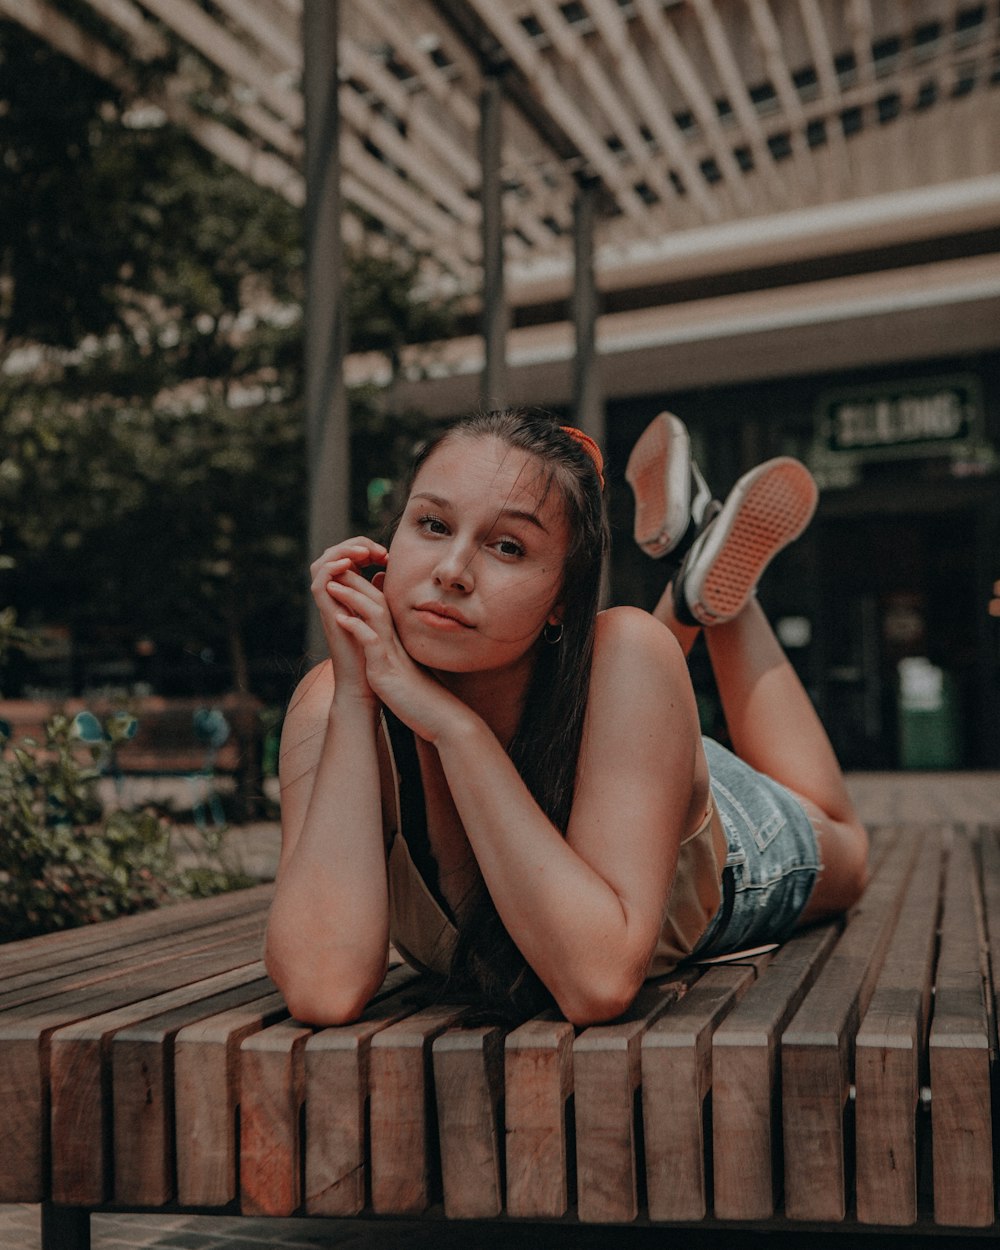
(323, 998)
(598, 1002)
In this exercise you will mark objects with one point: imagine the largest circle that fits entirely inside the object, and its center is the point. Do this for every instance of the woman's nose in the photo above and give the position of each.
(454, 569)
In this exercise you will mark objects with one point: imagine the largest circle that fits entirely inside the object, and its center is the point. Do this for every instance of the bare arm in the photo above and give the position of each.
(328, 931)
(586, 911)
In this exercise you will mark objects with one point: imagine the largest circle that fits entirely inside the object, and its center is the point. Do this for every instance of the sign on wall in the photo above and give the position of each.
(918, 417)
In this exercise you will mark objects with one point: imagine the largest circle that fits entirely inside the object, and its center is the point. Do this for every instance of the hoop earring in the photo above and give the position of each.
(552, 633)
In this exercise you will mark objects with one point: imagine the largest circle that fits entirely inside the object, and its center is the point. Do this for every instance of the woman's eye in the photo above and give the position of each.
(432, 525)
(509, 547)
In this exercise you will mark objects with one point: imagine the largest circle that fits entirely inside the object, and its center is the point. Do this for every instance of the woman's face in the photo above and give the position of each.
(475, 568)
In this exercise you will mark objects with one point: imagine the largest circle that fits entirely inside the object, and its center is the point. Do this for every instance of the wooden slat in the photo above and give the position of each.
(142, 1089)
(404, 1168)
(468, 1090)
(272, 1090)
(538, 1082)
(25, 1033)
(746, 1112)
(273, 1093)
(57, 949)
(81, 1128)
(337, 1099)
(676, 1060)
(989, 851)
(817, 1048)
(960, 1058)
(606, 1075)
(206, 1098)
(111, 966)
(889, 1054)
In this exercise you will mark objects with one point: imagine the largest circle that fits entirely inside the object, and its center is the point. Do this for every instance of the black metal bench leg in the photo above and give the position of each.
(65, 1228)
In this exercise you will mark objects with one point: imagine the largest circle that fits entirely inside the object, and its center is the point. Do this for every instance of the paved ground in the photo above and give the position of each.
(880, 797)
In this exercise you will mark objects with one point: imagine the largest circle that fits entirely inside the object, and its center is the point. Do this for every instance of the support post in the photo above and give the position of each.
(588, 401)
(328, 436)
(495, 318)
(65, 1228)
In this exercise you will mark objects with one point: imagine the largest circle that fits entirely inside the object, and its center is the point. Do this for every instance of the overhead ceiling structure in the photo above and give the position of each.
(762, 174)
(691, 116)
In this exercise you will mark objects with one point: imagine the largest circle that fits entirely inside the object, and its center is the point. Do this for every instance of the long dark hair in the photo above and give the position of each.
(546, 747)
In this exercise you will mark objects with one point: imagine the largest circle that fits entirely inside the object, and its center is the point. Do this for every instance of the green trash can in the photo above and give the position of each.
(928, 716)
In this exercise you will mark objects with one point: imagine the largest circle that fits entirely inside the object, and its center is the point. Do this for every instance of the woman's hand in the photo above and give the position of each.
(348, 557)
(410, 691)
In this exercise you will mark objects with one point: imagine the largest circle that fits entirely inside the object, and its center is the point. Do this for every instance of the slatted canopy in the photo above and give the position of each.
(723, 190)
(689, 116)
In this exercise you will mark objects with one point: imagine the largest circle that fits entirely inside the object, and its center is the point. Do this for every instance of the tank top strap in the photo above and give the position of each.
(413, 807)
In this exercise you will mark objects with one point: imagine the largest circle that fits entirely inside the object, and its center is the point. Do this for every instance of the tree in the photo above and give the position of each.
(152, 480)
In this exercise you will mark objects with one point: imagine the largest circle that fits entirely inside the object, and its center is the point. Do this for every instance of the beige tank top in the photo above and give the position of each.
(425, 935)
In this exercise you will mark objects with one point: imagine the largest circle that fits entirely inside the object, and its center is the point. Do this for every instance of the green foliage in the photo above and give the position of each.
(64, 860)
(152, 454)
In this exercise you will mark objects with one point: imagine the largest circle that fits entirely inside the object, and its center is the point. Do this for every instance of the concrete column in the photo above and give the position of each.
(328, 442)
(495, 316)
(588, 398)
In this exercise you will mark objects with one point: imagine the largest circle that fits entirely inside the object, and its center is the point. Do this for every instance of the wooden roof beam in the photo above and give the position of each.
(541, 82)
(691, 88)
(609, 97)
(738, 94)
(221, 48)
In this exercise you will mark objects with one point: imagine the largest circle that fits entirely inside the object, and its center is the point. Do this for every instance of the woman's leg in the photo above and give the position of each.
(772, 723)
(775, 728)
(686, 635)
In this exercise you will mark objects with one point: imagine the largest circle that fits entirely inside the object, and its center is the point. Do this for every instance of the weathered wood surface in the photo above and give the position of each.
(746, 1107)
(337, 1100)
(538, 1088)
(155, 1064)
(817, 1048)
(606, 1074)
(890, 1053)
(960, 1045)
(468, 1088)
(676, 1067)
(405, 1172)
(207, 1096)
(229, 936)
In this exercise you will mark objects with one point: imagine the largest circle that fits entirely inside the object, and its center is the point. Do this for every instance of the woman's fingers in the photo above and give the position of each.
(356, 593)
(360, 551)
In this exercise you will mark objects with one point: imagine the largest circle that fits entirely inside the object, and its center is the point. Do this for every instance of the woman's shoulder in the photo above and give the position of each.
(313, 692)
(308, 708)
(629, 635)
(639, 662)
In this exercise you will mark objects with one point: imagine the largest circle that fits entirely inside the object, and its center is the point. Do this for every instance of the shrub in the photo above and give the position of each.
(64, 860)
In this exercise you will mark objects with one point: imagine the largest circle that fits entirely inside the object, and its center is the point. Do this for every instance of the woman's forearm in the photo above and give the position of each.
(575, 931)
(328, 932)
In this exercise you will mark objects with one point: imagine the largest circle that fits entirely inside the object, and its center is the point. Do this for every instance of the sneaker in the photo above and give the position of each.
(767, 509)
(669, 490)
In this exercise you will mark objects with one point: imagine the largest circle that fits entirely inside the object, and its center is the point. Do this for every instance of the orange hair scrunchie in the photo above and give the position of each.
(589, 446)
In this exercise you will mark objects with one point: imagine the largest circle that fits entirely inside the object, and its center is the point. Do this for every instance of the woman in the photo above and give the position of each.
(511, 785)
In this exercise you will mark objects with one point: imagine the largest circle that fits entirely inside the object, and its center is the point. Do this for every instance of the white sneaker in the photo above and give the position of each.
(767, 509)
(669, 490)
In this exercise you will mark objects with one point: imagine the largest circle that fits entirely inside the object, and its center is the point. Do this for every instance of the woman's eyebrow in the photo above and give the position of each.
(515, 514)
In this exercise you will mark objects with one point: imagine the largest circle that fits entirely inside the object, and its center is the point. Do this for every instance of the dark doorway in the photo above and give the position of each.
(899, 588)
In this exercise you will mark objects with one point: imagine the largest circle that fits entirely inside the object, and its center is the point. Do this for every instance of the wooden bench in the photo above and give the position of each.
(198, 739)
(166, 740)
(841, 1082)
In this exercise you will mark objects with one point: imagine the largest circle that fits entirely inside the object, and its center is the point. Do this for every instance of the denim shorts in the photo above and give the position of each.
(773, 858)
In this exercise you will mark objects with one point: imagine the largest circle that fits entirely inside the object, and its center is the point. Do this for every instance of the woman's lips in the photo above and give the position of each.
(440, 616)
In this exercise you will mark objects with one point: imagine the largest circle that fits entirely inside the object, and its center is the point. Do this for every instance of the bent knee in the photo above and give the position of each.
(843, 874)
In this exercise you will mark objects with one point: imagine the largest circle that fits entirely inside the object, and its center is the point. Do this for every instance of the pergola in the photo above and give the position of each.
(542, 151)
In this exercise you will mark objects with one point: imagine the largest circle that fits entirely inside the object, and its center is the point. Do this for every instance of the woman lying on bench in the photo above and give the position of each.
(509, 784)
